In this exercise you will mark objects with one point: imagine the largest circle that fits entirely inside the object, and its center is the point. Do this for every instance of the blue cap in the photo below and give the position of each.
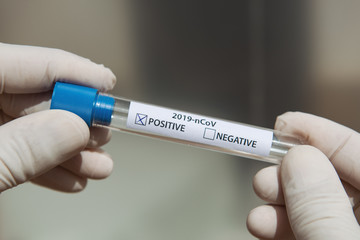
(84, 102)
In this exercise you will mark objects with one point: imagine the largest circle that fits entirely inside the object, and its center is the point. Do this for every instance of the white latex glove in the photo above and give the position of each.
(307, 198)
(52, 148)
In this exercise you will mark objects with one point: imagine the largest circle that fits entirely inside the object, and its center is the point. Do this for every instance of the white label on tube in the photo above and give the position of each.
(199, 129)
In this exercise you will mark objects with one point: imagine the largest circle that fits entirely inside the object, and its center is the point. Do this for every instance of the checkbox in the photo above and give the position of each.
(209, 133)
(141, 119)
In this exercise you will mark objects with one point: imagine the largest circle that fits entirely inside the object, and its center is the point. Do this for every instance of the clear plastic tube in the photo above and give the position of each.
(280, 143)
(99, 109)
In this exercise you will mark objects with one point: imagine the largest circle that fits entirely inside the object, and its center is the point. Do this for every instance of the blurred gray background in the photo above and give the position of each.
(245, 61)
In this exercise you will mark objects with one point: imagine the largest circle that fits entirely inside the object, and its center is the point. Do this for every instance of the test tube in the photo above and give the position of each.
(104, 110)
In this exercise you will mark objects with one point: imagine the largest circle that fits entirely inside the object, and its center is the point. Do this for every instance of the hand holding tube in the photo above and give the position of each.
(52, 148)
(307, 198)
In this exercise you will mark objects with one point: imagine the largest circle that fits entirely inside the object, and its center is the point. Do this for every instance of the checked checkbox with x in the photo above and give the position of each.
(141, 119)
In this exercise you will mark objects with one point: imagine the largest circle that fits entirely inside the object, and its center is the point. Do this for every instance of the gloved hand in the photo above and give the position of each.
(52, 148)
(314, 193)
